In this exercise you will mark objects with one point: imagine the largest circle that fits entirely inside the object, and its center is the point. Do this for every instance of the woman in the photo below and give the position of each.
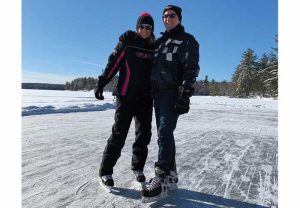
(133, 58)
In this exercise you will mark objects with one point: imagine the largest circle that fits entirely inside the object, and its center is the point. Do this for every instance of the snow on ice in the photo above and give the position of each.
(226, 153)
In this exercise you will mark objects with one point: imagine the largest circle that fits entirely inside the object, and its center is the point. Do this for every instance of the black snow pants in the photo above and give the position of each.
(141, 111)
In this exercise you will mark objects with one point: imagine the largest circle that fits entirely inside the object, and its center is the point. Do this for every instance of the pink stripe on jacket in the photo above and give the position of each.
(116, 64)
(124, 88)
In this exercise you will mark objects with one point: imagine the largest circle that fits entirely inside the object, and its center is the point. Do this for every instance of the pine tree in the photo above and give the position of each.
(197, 87)
(271, 82)
(224, 88)
(244, 75)
(91, 83)
(67, 86)
(206, 86)
(213, 88)
(234, 81)
(262, 74)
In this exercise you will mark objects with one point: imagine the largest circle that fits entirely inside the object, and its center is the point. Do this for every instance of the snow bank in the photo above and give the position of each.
(37, 102)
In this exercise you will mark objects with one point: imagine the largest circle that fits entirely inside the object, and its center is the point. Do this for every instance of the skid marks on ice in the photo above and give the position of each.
(125, 194)
(82, 187)
(231, 165)
(234, 161)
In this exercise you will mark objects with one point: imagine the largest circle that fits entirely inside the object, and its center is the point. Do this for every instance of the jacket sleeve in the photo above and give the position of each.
(191, 66)
(115, 61)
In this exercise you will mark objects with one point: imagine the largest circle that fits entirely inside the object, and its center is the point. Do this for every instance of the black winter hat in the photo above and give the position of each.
(145, 18)
(176, 9)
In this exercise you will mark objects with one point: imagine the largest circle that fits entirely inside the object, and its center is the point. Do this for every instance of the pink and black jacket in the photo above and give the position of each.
(132, 58)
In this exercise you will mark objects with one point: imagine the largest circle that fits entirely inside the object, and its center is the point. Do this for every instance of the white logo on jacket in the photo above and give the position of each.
(169, 50)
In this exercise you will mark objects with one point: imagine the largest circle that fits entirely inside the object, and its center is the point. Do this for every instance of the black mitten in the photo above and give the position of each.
(99, 88)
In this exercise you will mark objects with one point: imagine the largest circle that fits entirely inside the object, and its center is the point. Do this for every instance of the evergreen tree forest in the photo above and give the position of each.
(202, 87)
(89, 83)
(256, 77)
(43, 86)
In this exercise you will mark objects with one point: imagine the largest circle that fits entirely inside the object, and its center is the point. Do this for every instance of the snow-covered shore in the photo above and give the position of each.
(226, 153)
(37, 102)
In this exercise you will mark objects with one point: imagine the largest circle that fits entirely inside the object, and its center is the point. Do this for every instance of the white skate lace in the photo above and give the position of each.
(155, 184)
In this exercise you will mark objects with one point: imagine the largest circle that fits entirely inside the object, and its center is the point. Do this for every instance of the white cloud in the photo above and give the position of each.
(89, 63)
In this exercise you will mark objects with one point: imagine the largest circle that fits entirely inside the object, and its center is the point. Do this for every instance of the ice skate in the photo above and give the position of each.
(157, 189)
(139, 175)
(173, 180)
(140, 178)
(106, 182)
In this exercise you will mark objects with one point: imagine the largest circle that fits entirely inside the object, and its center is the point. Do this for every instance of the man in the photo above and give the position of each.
(174, 72)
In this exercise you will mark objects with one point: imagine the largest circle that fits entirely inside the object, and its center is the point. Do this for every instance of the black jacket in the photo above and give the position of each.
(176, 59)
(132, 58)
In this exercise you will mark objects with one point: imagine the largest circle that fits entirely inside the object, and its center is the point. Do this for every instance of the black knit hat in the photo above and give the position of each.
(176, 9)
(145, 18)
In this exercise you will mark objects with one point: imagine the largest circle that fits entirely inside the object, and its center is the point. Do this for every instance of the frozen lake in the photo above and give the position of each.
(226, 153)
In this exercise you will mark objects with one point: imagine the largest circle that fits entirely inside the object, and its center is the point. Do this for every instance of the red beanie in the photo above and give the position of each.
(145, 18)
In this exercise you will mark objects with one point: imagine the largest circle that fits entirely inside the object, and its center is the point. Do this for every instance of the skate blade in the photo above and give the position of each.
(108, 189)
(142, 185)
(146, 200)
(138, 185)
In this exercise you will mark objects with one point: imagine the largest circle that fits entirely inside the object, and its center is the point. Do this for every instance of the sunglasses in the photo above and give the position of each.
(145, 26)
(169, 15)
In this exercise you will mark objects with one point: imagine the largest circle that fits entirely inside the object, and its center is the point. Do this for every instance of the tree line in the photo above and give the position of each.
(202, 87)
(89, 83)
(43, 86)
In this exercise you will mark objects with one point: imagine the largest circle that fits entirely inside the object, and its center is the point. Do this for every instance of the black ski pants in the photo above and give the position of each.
(141, 111)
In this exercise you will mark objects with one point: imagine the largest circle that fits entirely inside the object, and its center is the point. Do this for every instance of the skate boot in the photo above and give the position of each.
(106, 182)
(139, 175)
(140, 179)
(158, 187)
(173, 180)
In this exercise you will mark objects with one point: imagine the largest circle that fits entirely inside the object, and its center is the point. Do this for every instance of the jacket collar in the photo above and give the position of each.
(178, 29)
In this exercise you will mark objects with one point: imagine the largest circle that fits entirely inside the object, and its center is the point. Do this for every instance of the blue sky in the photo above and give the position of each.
(64, 39)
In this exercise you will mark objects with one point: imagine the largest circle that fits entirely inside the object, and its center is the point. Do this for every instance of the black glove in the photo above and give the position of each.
(99, 89)
(182, 105)
(185, 91)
